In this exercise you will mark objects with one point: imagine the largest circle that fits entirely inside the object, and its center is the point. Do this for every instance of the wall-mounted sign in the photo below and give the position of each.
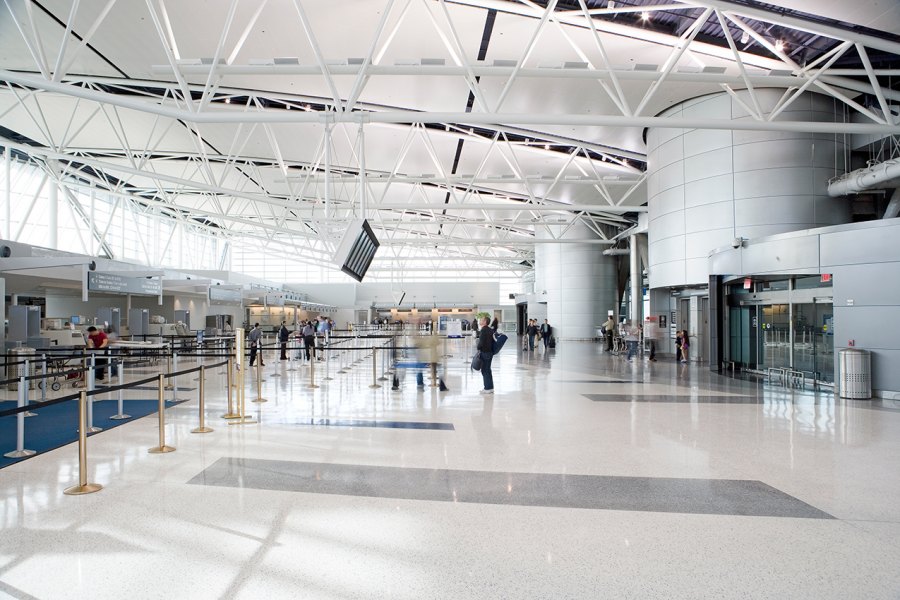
(748, 283)
(662, 321)
(107, 282)
(274, 300)
(826, 277)
(219, 295)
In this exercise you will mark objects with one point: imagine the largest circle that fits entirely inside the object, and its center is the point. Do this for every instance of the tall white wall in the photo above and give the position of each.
(705, 188)
(580, 283)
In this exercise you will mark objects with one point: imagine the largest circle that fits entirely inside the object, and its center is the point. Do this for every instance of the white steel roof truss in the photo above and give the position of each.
(678, 50)
(547, 12)
(460, 57)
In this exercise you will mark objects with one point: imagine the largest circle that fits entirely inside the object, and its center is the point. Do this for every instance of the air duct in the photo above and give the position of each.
(882, 175)
(616, 252)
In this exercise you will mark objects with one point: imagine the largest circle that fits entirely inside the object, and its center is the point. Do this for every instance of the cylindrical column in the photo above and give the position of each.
(53, 206)
(577, 282)
(7, 194)
(201, 393)
(83, 486)
(634, 312)
(162, 448)
(709, 189)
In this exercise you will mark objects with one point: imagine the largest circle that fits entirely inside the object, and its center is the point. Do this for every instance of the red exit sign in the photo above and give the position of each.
(826, 277)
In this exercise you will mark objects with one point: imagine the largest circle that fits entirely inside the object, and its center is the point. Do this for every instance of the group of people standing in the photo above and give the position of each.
(306, 330)
(633, 333)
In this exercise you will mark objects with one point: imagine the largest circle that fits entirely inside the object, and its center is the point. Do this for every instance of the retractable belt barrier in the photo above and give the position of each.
(84, 425)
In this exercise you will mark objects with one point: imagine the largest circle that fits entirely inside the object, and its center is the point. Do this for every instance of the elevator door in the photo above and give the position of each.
(703, 329)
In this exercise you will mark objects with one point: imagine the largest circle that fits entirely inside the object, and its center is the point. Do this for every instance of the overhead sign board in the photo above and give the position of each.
(221, 295)
(108, 282)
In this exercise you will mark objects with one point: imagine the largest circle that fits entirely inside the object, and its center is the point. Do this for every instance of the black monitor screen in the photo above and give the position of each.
(361, 253)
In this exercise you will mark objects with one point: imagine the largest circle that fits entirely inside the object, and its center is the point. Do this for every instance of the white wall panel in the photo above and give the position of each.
(774, 181)
(670, 225)
(708, 191)
(709, 217)
(671, 200)
(780, 210)
(699, 141)
(707, 164)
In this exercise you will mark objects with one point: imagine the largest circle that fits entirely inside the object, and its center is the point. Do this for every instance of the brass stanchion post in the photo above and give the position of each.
(229, 383)
(374, 369)
(312, 371)
(83, 486)
(202, 395)
(162, 448)
(239, 346)
(259, 397)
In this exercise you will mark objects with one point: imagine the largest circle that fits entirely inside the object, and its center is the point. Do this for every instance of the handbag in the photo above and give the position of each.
(476, 361)
(499, 341)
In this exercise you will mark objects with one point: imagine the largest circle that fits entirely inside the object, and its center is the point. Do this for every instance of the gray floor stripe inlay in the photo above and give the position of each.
(698, 399)
(656, 494)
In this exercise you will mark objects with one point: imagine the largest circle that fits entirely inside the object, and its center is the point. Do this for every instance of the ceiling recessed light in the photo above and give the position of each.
(745, 37)
(779, 46)
(546, 146)
(227, 100)
(645, 16)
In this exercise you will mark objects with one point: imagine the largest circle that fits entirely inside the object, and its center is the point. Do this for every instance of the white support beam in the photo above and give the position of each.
(394, 116)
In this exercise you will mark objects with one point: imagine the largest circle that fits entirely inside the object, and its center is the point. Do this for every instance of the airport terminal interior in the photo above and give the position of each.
(450, 299)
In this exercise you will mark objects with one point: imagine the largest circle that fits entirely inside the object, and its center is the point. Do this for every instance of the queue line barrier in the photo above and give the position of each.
(84, 421)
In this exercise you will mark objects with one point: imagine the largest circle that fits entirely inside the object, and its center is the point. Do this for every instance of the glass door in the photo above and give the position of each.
(774, 336)
(814, 340)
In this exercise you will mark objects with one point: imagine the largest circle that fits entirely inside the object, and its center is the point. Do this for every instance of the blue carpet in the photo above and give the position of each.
(57, 425)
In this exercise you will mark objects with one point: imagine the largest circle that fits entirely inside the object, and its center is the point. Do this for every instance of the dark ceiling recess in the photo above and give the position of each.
(800, 46)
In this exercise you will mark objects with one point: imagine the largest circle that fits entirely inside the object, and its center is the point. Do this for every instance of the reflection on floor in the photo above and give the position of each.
(582, 477)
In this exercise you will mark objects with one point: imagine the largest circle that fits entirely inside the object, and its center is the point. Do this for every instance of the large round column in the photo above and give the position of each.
(576, 280)
(707, 188)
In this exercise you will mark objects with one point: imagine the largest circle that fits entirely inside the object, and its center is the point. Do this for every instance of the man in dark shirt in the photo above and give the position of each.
(486, 347)
(283, 335)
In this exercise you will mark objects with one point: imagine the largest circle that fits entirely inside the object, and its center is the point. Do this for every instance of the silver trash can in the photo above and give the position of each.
(856, 373)
(14, 371)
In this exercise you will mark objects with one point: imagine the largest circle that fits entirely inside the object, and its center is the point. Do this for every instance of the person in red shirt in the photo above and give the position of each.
(96, 340)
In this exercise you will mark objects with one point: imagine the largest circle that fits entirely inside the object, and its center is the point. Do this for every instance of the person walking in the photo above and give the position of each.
(632, 337)
(609, 329)
(283, 335)
(651, 334)
(531, 331)
(685, 346)
(486, 348)
(546, 331)
(309, 340)
(253, 337)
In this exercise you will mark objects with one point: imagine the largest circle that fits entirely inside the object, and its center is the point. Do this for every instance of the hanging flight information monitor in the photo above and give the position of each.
(357, 249)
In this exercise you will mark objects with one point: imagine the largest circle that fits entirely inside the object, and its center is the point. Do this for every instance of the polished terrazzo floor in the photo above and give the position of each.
(582, 477)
